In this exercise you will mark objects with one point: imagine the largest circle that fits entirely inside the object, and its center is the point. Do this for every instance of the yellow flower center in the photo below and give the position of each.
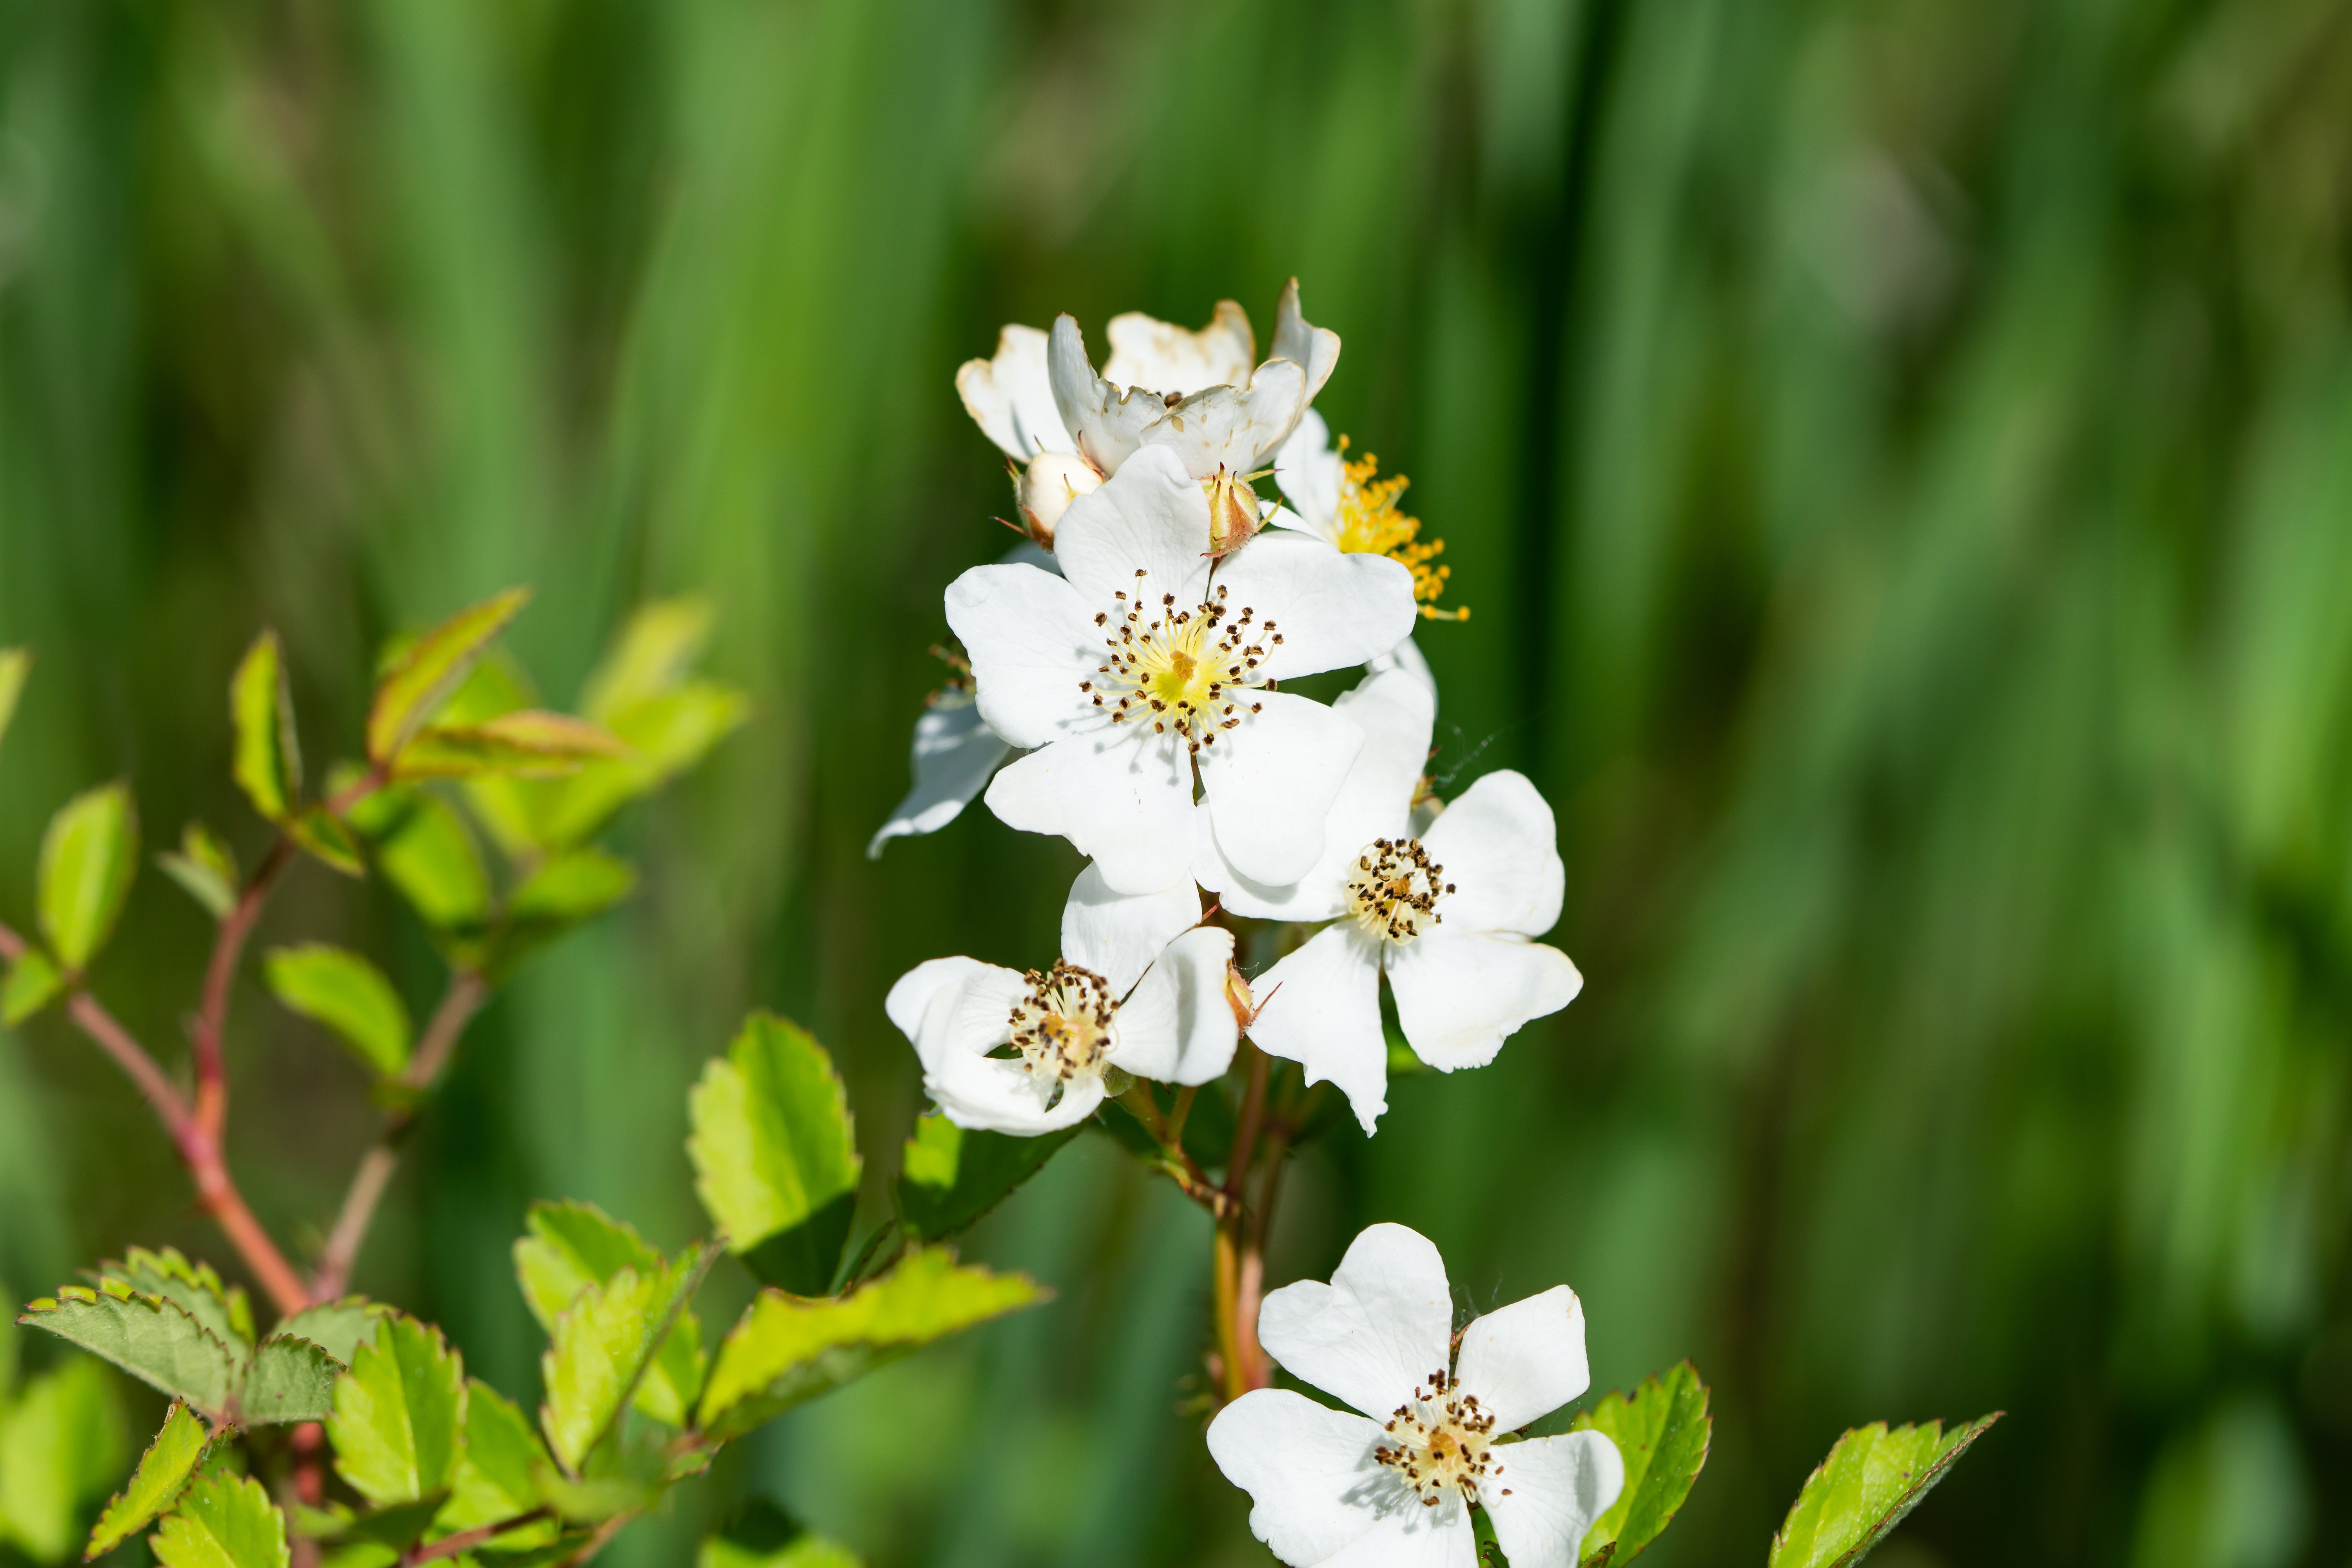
(1393, 889)
(1438, 1442)
(1063, 1027)
(1188, 670)
(1371, 522)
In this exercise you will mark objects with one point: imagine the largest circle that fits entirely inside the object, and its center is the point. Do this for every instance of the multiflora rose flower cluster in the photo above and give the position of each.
(1132, 655)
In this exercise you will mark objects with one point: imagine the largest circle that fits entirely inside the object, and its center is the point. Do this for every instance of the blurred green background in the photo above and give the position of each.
(1899, 457)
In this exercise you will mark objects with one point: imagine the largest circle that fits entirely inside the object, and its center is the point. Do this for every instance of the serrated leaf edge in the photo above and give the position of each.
(1879, 1529)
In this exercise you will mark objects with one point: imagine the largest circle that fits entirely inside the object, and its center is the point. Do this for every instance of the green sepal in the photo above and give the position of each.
(196, 1289)
(150, 1338)
(164, 1473)
(399, 1413)
(785, 1351)
(206, 866)
(1661, 1430)
(88, 856)
(765, 1536)
(223, 1522)
(289, 1379)
(775, 1156)
(349, 997)
(338, 1328)
(268, 760)
(1871, 1479)
(423, 676)
(951, 1176)
(61, 1445)
(34, 982)
(603, 1345)
(572, 1246)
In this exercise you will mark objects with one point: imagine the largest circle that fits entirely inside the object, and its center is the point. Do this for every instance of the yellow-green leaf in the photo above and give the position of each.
(951, 1175)
(89, 855)
(267, 762)
(60, 1446)
(399, 1413)
(423, 676)
(196, 1289)
(1660, 1430)
(162, 1474)
(223, 1522)
(338, 1328)
(775, 1157)
(574, 1246)
(327, 841)
(530, 744)
(34, 982)
(667, 734)
(146, 1336)
(347, 995)
(498, 1473)
(1872, 1478)
(603, 1344)
(206, 866)
(423, 848)
(16, 663)
(650, 658)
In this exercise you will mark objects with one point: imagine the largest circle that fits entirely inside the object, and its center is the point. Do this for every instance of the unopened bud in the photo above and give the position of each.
(1048, 487)
(1233, 512)
(1238, 997)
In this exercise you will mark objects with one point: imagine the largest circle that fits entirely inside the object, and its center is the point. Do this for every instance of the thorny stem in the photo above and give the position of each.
(466, 993)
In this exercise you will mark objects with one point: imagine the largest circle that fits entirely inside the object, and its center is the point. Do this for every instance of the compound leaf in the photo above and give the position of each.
(1660, 1430)
(223, 1522)
(531, 742)
(399, 1413)
(785, 1351)
(150, 1338)
(951, 1176)
(289, 1378)
(267, 762)
(60, 1443)
(1872, 1478)
(423, 676)
(348, 995)
(574, 1246)
(89, 855)
(774, 1155)
(162, 1475)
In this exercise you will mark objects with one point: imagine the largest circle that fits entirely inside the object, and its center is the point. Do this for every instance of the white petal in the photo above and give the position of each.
(1395, 712)
(1122, 796)
(1236, 427)
(1107, 424)
(1332, 608)
(1315, 348)
(1378, 1331)
(990, 1094)
(1320, 1007)
(1313, 1483)
(954, 753)
(1501, 852)
(1526, 1360)
(964, 1015)
(1408, 1535)
(1309, 473)
(1010, 397)
(938, 983)
(1048, 486)
(1557, 1487)
(1032, 640)
(1165, 357)
(1147, 1044)
(1119, 934)
(1271, 782)
(1460, 994)
(1176, 1026)
(1406, 656)
(1151, 517)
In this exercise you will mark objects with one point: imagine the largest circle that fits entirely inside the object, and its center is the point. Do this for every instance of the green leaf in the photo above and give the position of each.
(162, 1474)
(398, 1413)
(1871, 1479)
(381, 1537)
(348, 994)
(1661, 1430)
(267, 761)
(34, 982)
(532, 743)
(785, 1351)
(650, 658)
(194, 1288)
(327, 841)
(422, 677)
(146, 1336)
(767, 1537)
(89, 855)
(498, 1472)
(603, 1344)
(61, 1445)
(571, 885)
(951, 1176)
(574, 1246)
(223, 1522)
(774, 1155)
(289, 1380)
(16, 663)
(667, 734)
(423, 849)
(338, 1328)
(204, 866)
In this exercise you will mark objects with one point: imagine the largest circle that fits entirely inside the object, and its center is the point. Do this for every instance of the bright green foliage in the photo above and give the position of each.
(34, 982)
(16, 663)
(604, 1345)
(498, 1472)
(399, 1413)
(667, 735)
(60, 1446)
(1660, 1430)
(206, 865)
(530, 744)
(775, 1159)
(223, 1522)
(162, 1474)
(146, 1336)
(268, 758)
(327, 841)
(570, 885)
(194, 1288)
(348, 994)
(572, 1246)
(1871, 1479)
(767, 1537)
(950, 1176)
(423, 849)
(88, 856)
(338, 1328)
(650, 658)
(423, 676)
(287, 1380)
(784, 1351)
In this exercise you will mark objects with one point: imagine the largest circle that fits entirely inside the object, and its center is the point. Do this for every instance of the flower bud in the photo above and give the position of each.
(1048, 487)
(1238, 997)
(1233, 512)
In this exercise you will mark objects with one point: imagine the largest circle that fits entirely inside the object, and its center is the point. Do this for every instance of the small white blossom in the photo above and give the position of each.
(1148, 661)
(953, 757)
(1446, 914)
(1394, 1485)
(1140, 987)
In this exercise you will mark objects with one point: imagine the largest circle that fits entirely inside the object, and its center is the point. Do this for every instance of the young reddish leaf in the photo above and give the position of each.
(422, 677)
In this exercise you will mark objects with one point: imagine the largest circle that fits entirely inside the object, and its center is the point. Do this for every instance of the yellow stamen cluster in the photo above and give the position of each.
(1394, 888)
(1372, 523)
(1439, 1442)
(1063, 1027)
(1189, 670)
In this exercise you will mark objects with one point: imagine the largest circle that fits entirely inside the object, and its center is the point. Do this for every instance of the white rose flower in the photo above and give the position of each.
(1446, 915)
(1148, 661)
(1395, 1485)
(1140, 987)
